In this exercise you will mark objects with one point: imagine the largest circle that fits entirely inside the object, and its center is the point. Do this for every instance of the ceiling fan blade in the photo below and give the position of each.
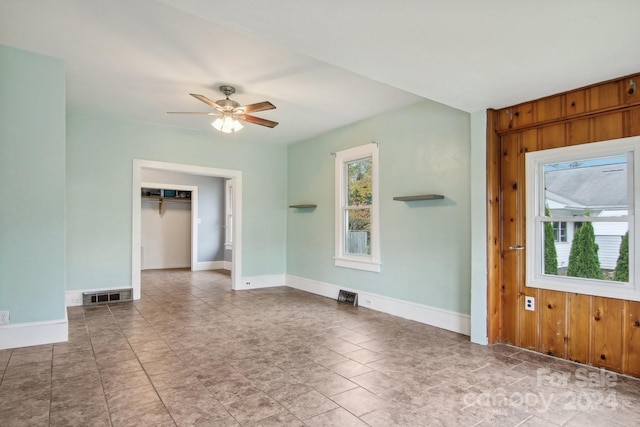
(208, 113)
(204, 99)
(260, 106)
(258, 121)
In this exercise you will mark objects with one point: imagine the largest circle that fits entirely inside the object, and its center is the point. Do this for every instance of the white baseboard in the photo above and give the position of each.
(266, 281)
(227, 265)
(445, 319)
(73, 298)
(33, 333)
(165, 266)
(209, 265)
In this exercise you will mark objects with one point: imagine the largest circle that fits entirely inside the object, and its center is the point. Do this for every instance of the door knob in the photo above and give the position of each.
(516, 248)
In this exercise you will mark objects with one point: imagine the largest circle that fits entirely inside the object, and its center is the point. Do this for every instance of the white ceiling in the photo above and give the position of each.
(324, 64)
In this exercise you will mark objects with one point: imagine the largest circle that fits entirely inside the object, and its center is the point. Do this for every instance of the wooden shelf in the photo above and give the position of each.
(419, 197)
(162, 201)
(304, 206)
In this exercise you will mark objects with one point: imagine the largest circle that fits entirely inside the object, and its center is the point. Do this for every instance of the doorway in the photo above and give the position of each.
(181, 228)
(236, 180)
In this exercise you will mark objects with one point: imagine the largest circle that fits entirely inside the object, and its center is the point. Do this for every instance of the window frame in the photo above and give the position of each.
(228, 214)
(535, 200)
(369, 262)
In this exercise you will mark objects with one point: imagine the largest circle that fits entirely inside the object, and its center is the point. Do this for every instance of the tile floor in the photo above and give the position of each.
(193, 352)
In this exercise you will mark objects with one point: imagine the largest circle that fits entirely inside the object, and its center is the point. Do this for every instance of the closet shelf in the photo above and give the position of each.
(162, 201)
(419, 197)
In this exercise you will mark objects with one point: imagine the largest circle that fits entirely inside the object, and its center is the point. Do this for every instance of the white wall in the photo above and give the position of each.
(166, 237)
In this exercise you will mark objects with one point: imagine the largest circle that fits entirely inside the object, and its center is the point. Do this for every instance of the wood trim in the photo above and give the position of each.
(494, 300)
(537, 125)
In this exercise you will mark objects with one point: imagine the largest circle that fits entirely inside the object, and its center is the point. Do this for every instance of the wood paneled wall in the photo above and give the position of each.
(602, 332)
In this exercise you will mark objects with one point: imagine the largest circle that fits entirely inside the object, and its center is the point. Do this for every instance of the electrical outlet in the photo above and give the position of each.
(4, 317)
(367, 302)
(247, 283)
(530, 303)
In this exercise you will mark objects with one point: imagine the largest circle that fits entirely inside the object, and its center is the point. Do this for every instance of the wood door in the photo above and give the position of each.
(511, 219)
(519, 326)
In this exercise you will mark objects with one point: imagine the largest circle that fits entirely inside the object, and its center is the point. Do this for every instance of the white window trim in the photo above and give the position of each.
(534, 162)
(359, 262)
(228, 212)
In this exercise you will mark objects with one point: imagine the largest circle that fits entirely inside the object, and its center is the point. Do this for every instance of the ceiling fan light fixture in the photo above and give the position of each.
(230, 113)
(227, 124)
(217, 124)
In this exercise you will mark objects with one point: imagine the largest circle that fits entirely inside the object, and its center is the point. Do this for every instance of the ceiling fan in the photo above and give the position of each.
(230, 112)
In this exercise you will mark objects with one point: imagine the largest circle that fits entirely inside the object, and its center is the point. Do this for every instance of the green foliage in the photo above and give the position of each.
(550, 254)
(360, 192)
(583, 258)
(573, 255)
(622, 266)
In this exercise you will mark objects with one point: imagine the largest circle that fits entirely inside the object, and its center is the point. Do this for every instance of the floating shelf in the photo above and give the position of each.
(304, 206)
(419, 197)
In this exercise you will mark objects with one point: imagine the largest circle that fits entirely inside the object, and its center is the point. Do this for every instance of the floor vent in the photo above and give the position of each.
(348, 297)
(105, 297)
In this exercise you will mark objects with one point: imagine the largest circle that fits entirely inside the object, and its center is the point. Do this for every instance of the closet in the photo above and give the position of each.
(166, 228)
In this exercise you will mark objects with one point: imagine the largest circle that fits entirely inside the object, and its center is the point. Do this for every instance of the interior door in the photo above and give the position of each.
(542, 329)
(513, 244)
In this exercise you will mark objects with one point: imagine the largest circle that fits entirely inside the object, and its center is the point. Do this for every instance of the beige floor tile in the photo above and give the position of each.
(350, 368)
(254, 409)
(335, 418)
(359, 401)
(194, 352)
(22, 358)
(95, 415)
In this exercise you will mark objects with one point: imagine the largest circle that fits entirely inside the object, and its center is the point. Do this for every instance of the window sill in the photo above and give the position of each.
(588, 287)
(357, 264)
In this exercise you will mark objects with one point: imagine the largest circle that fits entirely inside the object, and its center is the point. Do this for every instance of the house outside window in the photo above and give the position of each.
(560, 231)
(587, 194)
(356, 205)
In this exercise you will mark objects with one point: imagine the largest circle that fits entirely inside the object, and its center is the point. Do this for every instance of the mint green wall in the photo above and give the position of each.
(425, 245)
(32, 186)
(100, 151)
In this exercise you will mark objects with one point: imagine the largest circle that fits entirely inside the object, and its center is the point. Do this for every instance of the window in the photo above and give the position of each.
(585, 194)
(560, 231)
(357, 235)
(228, 219)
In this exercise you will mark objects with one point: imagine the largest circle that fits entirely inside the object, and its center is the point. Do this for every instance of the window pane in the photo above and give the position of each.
(560, 231)
(359, 182)
(358, 238)
(594, 187)
(595, 250)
